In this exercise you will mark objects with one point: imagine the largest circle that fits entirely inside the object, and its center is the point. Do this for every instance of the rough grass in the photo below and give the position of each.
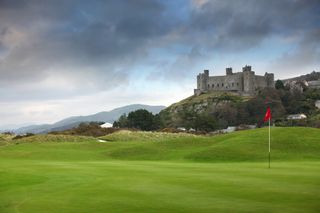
(126, 135)
(169, 173)
(6, 137)
(53, 138)
(213, 95)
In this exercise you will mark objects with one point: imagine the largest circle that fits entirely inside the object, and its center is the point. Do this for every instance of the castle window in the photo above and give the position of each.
(217, 85)
(222, 85)
(208, 85)
(212, 85)
(237, 84)
(232, 84)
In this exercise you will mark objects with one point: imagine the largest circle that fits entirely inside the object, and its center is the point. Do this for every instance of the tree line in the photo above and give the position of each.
(140, 119)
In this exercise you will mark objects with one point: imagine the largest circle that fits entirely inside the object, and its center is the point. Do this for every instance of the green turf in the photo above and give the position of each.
(178, 173)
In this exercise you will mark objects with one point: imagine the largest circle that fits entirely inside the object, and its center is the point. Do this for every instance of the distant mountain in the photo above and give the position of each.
(10, 127)
(32, 129)
(68, 123)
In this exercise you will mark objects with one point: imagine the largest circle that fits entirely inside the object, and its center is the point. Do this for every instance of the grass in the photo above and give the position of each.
(54, 138)
(126, 135)
(213, 96)
(162, 172)
(5, 137)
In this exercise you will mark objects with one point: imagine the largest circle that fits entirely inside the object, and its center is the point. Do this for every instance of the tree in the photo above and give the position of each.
(205, 122)
(141, 119)
(313, 94)
(279, 84)
(122, 121)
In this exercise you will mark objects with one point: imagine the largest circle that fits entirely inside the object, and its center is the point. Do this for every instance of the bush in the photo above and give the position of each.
(279, 84)
(87, 129)
(23, 136)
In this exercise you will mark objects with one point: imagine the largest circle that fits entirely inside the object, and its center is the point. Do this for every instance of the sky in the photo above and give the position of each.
(60, 58)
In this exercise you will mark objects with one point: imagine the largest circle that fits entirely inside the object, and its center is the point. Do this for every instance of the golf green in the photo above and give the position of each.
(166, 176)
(130, 186)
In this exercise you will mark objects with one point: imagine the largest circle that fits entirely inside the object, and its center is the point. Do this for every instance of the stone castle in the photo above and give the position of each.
(243, 83)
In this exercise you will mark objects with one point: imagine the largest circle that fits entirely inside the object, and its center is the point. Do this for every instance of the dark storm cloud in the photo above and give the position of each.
(305, 56)
(108, 38)
(178, 70)
(57, 55)
(234, 24)
(72, 35)
(238, 26)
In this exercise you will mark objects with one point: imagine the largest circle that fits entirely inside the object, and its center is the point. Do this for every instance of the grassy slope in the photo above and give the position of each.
(106, 177)
(213, 96)
(288, 144)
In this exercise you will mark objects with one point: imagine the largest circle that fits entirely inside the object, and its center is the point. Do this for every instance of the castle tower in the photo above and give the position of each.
(248, 80)
(229, 70)
(202, 80)
(270, 79)
(246, 68)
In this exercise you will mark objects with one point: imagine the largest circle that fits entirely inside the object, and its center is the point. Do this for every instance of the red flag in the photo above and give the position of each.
(268, 115)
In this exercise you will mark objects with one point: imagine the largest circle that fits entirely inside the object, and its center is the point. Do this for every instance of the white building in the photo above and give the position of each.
(297, 117)
(317, 104)
(106, 125)
(314, 84)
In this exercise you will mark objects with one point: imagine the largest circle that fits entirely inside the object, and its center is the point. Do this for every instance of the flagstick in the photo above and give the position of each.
(269, 143)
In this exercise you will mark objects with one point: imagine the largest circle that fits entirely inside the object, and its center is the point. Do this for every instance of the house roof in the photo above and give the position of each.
(296, 117)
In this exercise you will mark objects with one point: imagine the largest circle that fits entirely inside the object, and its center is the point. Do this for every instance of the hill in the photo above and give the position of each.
(308, 77)
(74, 121)
(218, 110)
(250, 145)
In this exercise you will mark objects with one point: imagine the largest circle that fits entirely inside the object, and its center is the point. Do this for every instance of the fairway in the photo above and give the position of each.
(175, 174)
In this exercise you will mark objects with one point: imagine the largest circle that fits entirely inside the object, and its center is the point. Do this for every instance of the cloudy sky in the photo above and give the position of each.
(60, 58)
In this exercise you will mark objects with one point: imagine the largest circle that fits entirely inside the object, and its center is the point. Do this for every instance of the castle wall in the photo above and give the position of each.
(260, 82)
(226, 83)
(245, 82)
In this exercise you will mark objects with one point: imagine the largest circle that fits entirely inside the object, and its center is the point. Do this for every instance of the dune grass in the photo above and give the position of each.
(126, 135)
(5, 137)
(54, 138)
(173, 173)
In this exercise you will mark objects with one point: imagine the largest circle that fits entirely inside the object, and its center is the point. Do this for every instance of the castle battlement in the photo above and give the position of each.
(244, 83)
